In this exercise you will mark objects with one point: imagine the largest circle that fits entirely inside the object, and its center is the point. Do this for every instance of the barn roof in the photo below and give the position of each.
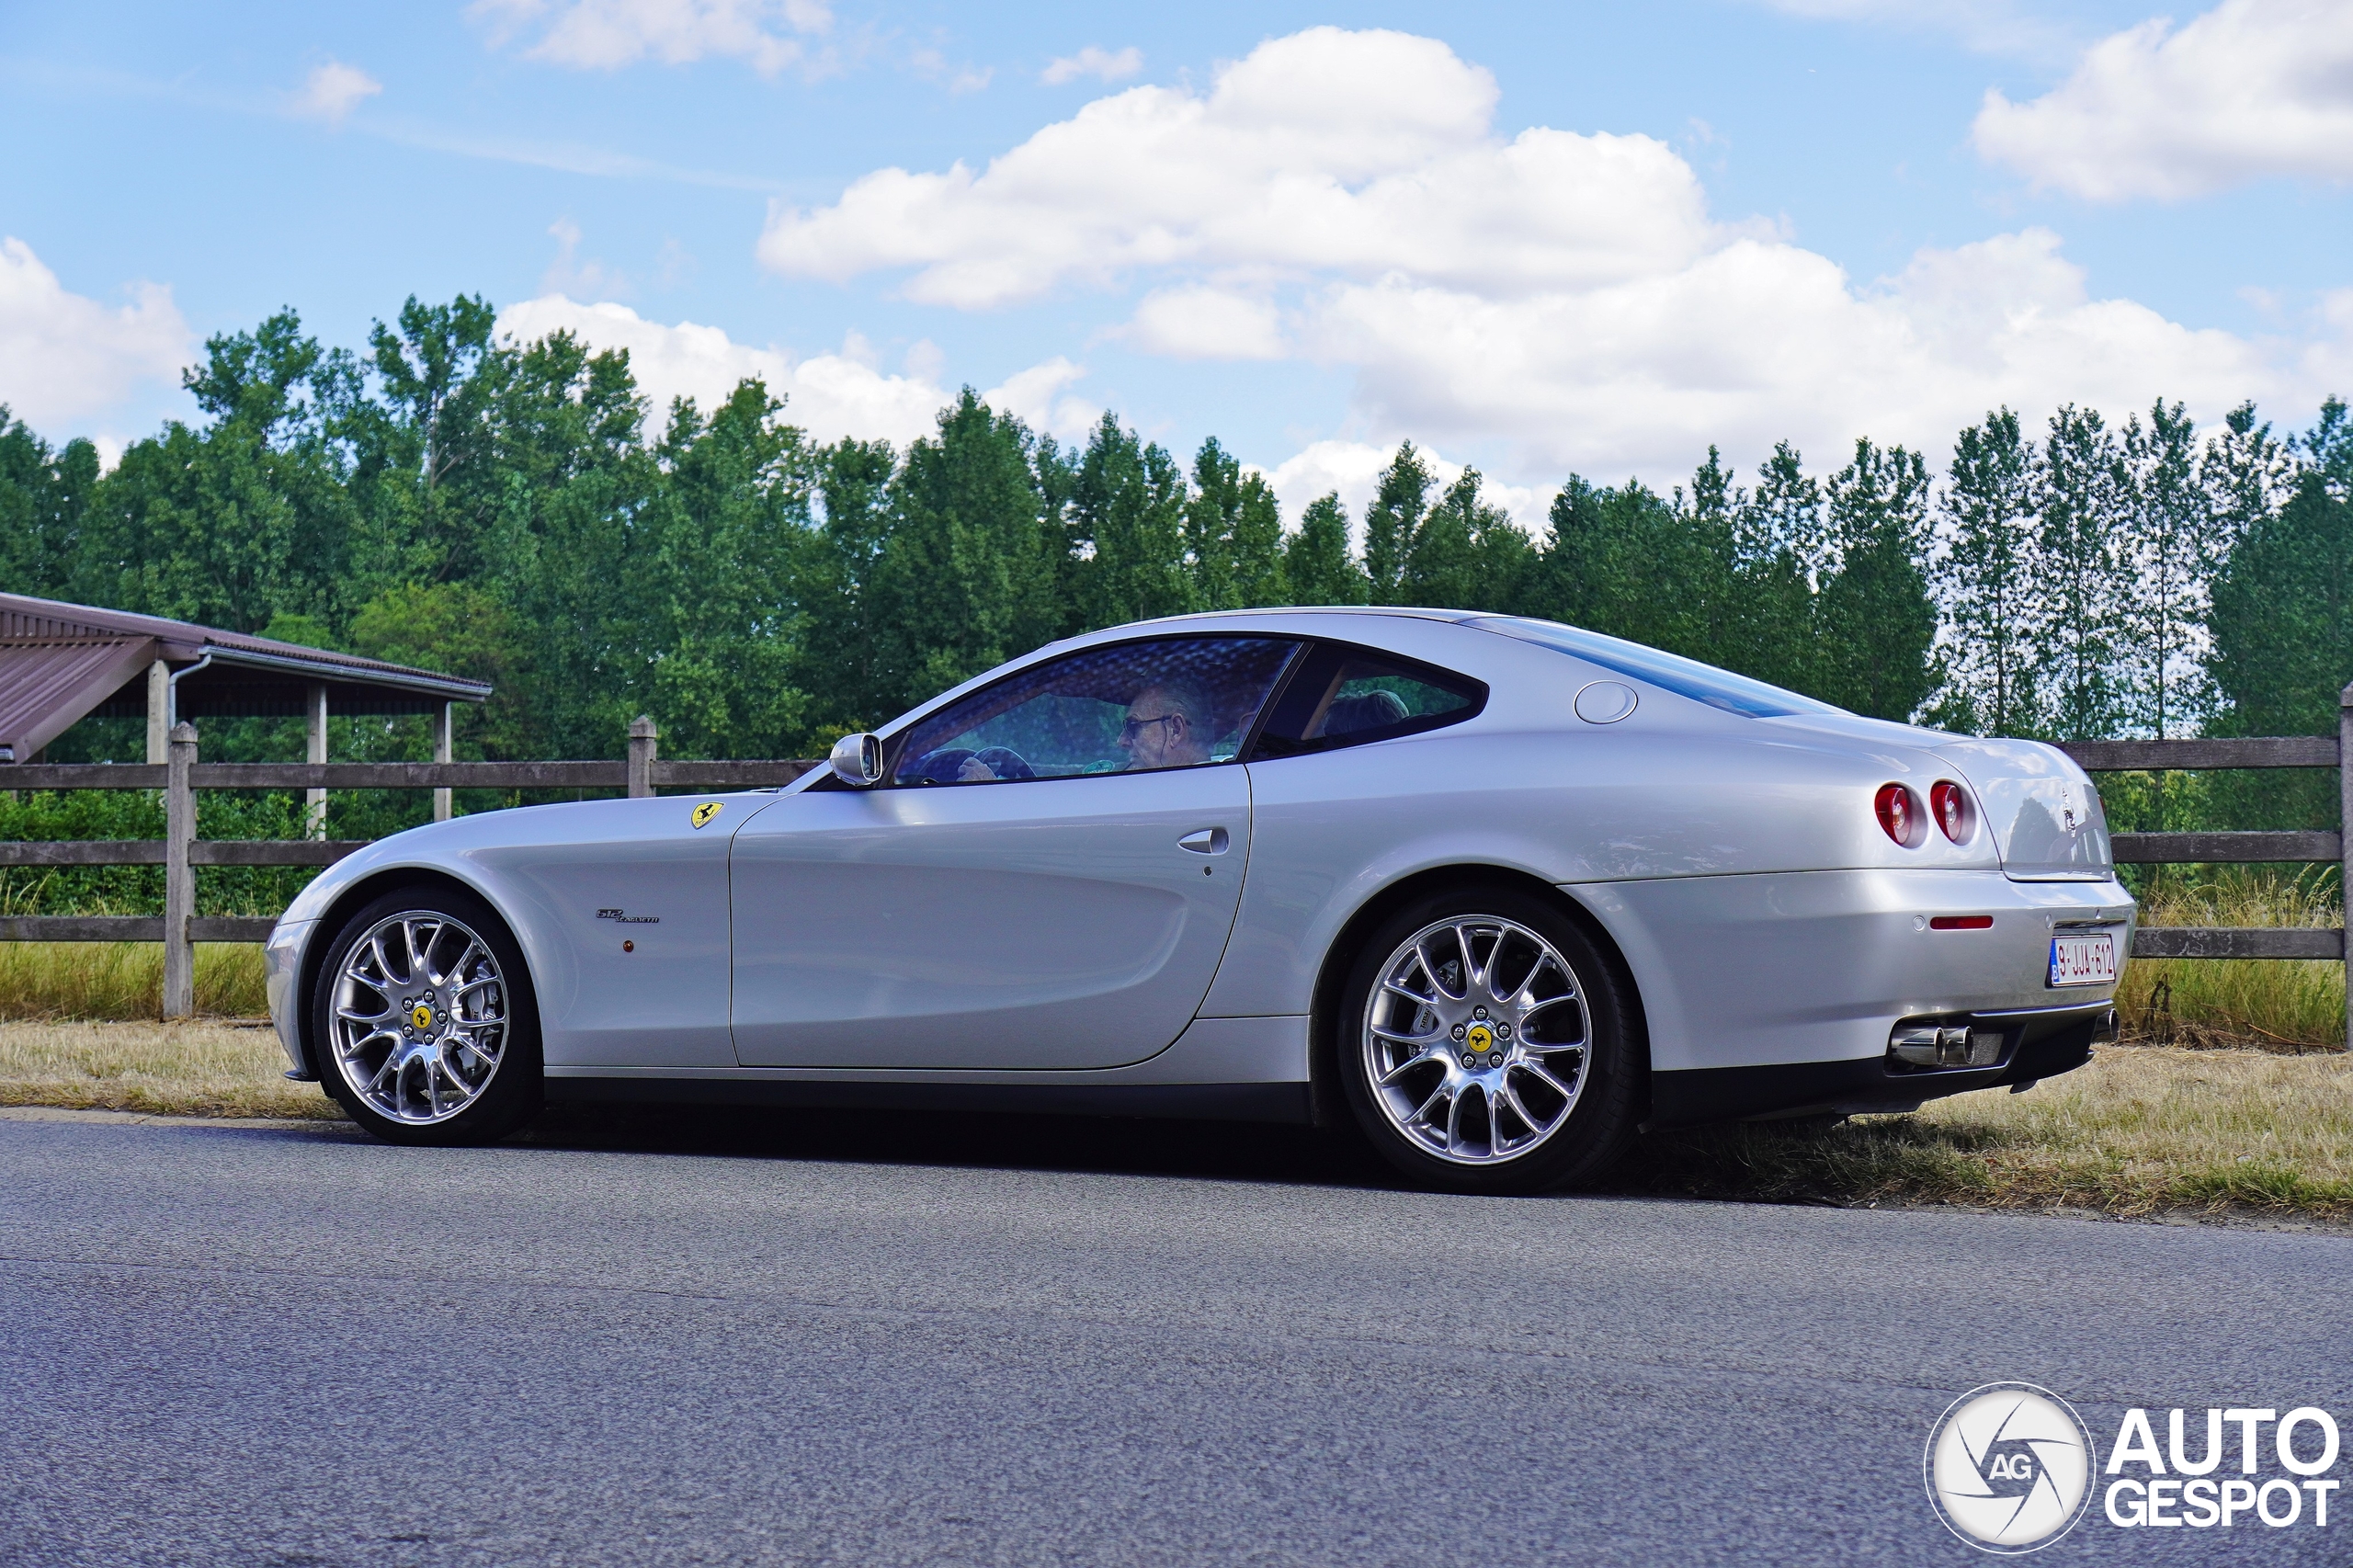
(61, 662)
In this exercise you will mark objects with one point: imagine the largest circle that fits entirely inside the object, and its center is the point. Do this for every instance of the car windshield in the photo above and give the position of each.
(1684, 677)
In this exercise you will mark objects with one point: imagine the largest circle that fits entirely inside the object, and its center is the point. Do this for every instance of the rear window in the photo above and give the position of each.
(1343, 696)
(1671, 672)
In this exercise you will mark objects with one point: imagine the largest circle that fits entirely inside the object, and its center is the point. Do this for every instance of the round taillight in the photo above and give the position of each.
(1899, 814)
(1948, 804)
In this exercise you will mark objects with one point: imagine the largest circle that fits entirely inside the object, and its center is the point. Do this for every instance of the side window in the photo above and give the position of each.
(1129, 708)
(1348, 697)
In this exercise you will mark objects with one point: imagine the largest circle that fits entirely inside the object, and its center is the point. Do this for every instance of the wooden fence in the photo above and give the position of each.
(181, 852)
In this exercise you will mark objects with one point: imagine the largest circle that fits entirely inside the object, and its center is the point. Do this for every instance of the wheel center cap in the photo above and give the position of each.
(1481, 1038)
(422, 1014)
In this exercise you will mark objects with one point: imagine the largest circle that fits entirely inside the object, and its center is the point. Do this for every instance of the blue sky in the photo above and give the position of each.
(1538, 238)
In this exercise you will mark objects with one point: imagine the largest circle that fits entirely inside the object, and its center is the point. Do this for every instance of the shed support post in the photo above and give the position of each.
(159, 709)
(315, 802)
(179, 877)
(642, 740)
(2345, 836)
(441, 753)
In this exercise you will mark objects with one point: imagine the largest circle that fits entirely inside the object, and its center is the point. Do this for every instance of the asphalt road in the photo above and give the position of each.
(875, 1340)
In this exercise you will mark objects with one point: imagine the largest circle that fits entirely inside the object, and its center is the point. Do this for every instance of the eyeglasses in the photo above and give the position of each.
(1129, 728)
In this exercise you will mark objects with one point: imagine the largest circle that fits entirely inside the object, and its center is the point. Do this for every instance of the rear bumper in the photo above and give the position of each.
(2039, 1043)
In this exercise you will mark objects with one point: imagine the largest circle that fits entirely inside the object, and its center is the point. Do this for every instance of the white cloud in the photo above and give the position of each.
(567, 274)
(607, 34)
(2253, 89)
(334, 90)
(1566, 299)
(65, 358)
(1100, 64)
(1360, 152)
(1205, 322)
(1036, 397)
(829, 395)
(1353, 470)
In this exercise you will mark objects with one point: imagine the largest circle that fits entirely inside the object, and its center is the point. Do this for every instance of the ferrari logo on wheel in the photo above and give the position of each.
(421, 1015)
(704, 812)
(1480, 1038)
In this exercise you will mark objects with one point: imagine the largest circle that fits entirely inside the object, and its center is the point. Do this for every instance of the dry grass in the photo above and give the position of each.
(2143, 1130)
(2266, 1005)
(192, 1069)
(123, 980)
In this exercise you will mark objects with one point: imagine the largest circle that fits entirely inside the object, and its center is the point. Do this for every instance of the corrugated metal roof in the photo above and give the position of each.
(45, 686)
(60, 662)
(23, 619)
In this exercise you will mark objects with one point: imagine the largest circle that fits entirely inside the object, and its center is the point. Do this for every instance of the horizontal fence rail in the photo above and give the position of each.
(181, 853)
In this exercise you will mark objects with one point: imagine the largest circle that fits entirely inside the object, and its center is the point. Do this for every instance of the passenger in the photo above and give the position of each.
(1169, 724)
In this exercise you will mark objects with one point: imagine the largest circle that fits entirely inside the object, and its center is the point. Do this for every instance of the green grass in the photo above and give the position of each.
(2266, 1005)
(123, 980)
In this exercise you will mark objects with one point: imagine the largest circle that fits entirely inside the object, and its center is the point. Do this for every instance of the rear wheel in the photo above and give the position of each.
(1485, 1045)
(423, 1022)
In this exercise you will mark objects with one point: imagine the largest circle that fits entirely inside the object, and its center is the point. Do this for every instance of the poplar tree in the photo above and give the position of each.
(1389, 523)
(2167, 546)
(1876, 623)
(1994, 612)
(1317, 568)
(2078, 489)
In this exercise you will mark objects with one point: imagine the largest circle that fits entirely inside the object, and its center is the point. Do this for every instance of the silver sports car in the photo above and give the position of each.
(1497, 892)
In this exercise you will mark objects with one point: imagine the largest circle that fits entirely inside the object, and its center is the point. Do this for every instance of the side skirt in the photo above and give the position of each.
(1203, 1102)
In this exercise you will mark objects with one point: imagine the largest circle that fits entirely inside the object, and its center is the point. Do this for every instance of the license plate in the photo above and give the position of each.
(2082, 960)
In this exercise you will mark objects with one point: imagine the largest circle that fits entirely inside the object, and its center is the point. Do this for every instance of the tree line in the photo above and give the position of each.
(515, 511)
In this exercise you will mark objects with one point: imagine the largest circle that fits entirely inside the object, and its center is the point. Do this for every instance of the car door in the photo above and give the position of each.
(1047, 880)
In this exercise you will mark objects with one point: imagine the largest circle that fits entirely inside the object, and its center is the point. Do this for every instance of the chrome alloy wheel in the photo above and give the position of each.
(419, 1018)
(1474, 1040)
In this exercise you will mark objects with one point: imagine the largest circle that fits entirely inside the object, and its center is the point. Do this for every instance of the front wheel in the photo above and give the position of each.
(1486, 1046)
(423, 1020)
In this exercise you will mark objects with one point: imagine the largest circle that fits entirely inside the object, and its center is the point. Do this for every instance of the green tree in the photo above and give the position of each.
(1876, 623)
(43, 494)
(1988, 579)
(1466, 553)
(969, 574)
(1127, 514)
(2167, 544)
(2078, 496)
(1391, 520)
(1317, 567)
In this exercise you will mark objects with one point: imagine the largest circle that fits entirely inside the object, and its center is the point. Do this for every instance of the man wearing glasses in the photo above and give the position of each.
(1165, 727)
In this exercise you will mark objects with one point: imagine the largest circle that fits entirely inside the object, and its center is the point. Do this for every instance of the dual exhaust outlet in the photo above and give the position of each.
(1969, 1043)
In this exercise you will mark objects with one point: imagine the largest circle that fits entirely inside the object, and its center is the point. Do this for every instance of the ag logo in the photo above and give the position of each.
(703, 814)
(2008, 1467)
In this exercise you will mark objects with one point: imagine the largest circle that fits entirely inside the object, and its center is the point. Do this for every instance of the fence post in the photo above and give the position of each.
(644, 738)
(159, 705)
(315, 802)
(2344, 840)
(179, 877)
(442, 752)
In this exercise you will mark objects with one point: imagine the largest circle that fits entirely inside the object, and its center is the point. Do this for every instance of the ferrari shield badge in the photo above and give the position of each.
(704, 812)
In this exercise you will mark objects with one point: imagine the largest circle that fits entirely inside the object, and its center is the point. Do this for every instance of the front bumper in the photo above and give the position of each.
(282, 965)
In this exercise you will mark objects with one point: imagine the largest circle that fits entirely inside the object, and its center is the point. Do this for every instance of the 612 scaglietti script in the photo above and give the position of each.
(1497, 892)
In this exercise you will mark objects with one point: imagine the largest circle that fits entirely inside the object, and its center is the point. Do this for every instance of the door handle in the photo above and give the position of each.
(1208, 841)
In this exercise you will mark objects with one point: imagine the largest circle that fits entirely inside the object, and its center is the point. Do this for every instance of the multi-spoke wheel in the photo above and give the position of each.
(1484, 1045)
(423, 1027)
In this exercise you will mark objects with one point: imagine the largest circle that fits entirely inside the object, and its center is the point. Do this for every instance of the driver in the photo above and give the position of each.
(1166, 727)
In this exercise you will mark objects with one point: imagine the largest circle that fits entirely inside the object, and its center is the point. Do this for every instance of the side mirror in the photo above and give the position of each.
(857, 761)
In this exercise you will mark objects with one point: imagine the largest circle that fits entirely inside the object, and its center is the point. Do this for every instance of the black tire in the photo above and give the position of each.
(1600, 1121)
(509, 1094)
